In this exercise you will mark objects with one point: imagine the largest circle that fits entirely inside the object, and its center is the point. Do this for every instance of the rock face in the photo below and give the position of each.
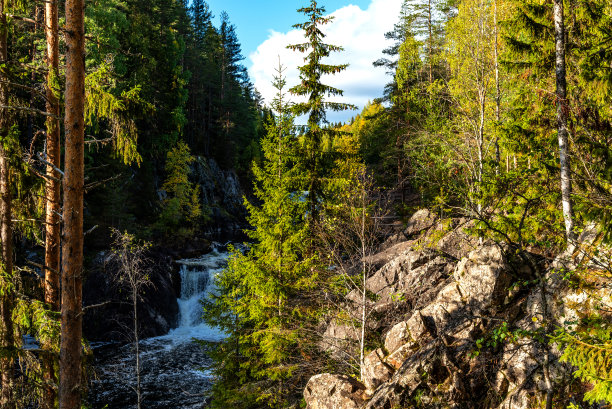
(444, 306)
(377, 371)
(328, 391)
(112, 319)
(221, 194)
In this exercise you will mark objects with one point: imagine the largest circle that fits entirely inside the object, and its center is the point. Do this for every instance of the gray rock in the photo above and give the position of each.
(420, 221)
(411, 376)
(327, 391)
(400, 355)
(457, 243)
(396, 337)
(483, 278)
(375, 370)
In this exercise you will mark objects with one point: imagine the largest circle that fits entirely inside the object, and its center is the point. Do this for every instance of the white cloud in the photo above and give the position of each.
(360, 32)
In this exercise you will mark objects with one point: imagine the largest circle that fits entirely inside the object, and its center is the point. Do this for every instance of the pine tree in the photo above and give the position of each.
(52, 191)
(315, 91)
(72, 251)
(7, 295)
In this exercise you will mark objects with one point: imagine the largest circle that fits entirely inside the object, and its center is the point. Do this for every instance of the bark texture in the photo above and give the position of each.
(72, 251)
(562, 114)
(6, 231)
(52, 193)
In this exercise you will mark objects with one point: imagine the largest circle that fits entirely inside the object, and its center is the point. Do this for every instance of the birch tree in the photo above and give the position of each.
(562, 114)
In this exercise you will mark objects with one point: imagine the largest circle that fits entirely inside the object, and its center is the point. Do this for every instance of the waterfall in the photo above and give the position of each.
(197, 282)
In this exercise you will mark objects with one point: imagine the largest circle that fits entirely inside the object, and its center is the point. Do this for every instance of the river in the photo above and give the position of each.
(172, 365)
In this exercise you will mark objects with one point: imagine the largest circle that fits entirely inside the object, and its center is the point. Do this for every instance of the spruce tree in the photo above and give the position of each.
(314, 90)
(261, 294)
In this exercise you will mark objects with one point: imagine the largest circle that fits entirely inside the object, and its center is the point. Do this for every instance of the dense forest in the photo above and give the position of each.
(497, 119)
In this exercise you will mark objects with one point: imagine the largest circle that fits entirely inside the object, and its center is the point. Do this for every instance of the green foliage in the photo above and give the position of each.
(588, 347)
(103, 105)
(34, 318)
(315, 107)
(261, 301)
(181, 209)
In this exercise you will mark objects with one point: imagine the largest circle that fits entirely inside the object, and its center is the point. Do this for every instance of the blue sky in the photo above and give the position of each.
(255, 18)
(264, 28)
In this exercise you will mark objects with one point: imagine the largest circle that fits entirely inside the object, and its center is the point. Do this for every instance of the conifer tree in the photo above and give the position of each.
(70, 386)
(265, 289)
(53, 191)
(315, 91)
(6, 226)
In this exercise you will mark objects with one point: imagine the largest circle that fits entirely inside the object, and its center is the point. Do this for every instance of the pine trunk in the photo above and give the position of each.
(52, 193)
(72, 250)
(562, 113)
(6, 232)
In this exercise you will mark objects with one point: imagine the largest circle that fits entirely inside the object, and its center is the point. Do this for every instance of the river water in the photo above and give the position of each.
(172, 366)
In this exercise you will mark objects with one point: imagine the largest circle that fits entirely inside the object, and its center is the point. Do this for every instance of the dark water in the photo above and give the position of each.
(171, 365)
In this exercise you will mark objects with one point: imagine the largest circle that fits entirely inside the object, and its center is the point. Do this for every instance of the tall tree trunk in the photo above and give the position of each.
(497, 86)
(136, 347)
(430, 40)
(72, 250)
(562, 113)
(6, 231)
(52, 192)
(6, 305)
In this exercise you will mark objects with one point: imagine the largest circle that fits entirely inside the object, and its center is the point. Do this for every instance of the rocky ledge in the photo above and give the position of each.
(458, 324)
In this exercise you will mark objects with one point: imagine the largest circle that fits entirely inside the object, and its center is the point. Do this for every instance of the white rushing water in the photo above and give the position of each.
(197, 282)
(172, 365)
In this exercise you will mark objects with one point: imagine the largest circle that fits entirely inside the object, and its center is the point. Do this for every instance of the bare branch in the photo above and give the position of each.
(30, 110)
(90, 230)
(58, 170)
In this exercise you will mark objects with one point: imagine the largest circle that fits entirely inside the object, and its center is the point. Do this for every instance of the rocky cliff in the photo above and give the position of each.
(108, 309)
(221, 195)
(459, 324)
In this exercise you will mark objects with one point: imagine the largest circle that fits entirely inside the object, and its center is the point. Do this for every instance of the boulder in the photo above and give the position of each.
(396, 337)
(411, 376)
(401, 276)
(389, 253)
(420, 221)
(483, 278)
(375, 370)
(327, 391)
(397, 358)
(339, 338)
(457, 243)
